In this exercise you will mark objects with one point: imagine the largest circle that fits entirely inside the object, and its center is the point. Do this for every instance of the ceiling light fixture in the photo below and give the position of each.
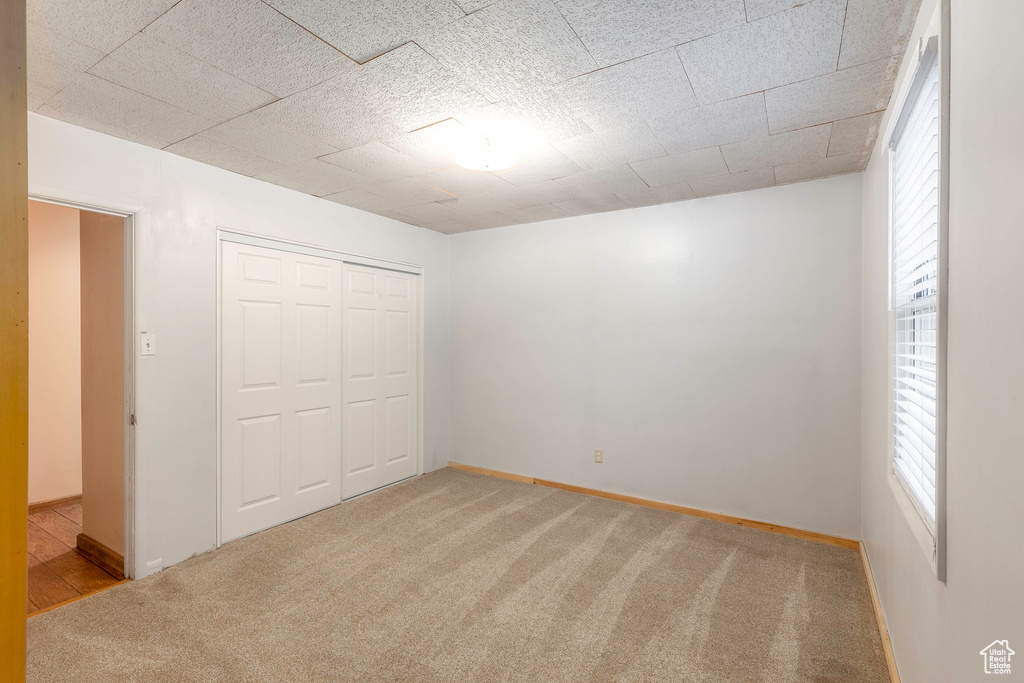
(487, 155)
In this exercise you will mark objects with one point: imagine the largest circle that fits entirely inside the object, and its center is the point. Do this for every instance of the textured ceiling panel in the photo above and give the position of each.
(150, 67)
(876, 29)
(532, 214)
(735, 182)
(733, 120)
(856, 135)
(54, 61)
(94, 103)
(460, 181)
(612, 147)
(777, 150)
(759, 9)
(316, 177)
(250, 40)
(592, 204)
(511, 47)
(480, 203)
(364, 30)
(378, 161)
(409, 191)
(534, 194)
(678, 168)
(640, 88)
(840, 95)
(538, 163)
(605, 181)
(784, 48)
(617, 30)
(100, 24)
(539, 115)
(257, 134)
(214, 153)
(368, 102)
(818, 168)
(650, 196)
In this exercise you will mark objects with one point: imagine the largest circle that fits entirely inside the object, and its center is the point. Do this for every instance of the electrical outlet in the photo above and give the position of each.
(598, 455)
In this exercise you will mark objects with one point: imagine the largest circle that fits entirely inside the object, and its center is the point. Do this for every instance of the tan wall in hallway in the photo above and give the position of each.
(102, 246)
(55, 358)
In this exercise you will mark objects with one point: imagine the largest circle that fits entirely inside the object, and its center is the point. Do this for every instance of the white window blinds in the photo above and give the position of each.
(915, 301)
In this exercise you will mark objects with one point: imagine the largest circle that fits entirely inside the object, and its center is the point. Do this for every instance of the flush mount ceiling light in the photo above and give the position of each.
(487, 154)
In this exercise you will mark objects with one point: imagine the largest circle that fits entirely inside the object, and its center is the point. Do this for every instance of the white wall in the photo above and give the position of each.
(54, 354)
(938, 629)
(180, 204)
(711, 348)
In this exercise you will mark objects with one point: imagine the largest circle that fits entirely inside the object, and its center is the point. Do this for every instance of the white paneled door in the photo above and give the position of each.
(280, 387)
(380, 342)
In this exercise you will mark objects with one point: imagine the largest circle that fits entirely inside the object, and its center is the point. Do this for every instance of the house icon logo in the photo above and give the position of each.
(997, 657)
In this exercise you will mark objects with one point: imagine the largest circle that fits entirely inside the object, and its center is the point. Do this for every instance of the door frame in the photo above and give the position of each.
(271, 242)
(128, 212)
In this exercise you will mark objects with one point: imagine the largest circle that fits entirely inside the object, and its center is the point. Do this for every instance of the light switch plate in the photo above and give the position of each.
(147, 344)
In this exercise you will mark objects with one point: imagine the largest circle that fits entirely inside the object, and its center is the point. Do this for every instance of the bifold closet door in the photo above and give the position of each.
(380, 385)
(280, 387)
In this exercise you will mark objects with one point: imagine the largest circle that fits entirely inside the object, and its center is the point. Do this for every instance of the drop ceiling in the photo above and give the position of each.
(625, 103)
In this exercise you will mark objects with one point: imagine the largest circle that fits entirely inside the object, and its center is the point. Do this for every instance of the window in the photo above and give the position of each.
(915, 262)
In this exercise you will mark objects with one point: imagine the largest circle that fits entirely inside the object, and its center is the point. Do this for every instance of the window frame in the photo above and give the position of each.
(931, 536)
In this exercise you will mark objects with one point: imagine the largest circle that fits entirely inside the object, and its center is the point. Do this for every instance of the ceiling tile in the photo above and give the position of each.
(100, 24)
(593, 204)
(617, 30)
(735, 182)
(409, 191)
(532, 214)
(539, 162)
(435, 145)
(657, 195)
(431, 212)
(460, 181)
(150, 67)
(378, 161)
(316, 177)
(252, 41)
(759, 9)
(534, 194)
(257, 134)
(605, 181)
(361, 198)
(445, 227)
(363, 30)
(510, 47)
(733, 120)
(612, 147)
(840, 95)
(856, 135)
(640, 88)
(97, 104)
(537, 115)
(783, 48)
(818, 168)
(215, 153)
(482, 221)
(480, 203)
(55, 60)
(876, 29)
(670, 170)
(777, 150)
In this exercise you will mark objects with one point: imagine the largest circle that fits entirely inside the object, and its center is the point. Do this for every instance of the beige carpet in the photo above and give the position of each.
(460, 577)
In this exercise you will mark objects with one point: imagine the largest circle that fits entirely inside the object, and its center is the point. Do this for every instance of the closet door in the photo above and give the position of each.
(280, 387)
(380, 376)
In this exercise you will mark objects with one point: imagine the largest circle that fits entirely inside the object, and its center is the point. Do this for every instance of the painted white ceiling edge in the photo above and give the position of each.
(626, 104)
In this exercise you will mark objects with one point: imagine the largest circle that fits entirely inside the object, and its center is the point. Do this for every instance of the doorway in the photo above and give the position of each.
(79, 402)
